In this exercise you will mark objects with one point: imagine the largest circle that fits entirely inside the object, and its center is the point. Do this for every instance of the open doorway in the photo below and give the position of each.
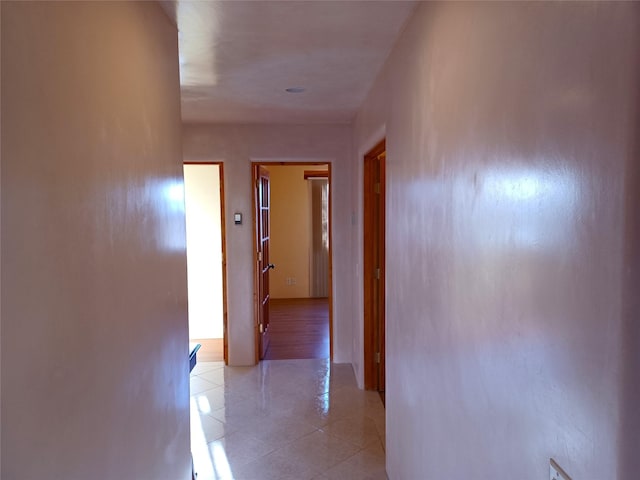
(206, 275)
(293, 260)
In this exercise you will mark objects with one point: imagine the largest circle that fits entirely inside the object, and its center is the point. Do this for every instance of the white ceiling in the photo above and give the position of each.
(238, 57)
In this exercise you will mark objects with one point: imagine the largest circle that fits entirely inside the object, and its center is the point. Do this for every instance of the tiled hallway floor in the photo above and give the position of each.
(285, 419)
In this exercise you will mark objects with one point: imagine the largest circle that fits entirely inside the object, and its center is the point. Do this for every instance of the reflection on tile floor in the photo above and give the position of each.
(284, 419)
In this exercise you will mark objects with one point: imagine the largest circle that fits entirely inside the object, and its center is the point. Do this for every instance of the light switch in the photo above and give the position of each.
(237, 218)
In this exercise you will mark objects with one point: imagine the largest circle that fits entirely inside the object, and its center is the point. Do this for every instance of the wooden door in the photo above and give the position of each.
(263, 266)
(374, 267)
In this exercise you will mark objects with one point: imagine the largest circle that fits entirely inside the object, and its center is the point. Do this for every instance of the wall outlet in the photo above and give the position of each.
(555, 472)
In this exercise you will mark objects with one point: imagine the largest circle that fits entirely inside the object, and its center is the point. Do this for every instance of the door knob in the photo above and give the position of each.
(271, 265)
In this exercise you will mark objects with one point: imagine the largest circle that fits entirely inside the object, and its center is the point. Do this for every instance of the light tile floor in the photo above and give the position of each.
(285, 419)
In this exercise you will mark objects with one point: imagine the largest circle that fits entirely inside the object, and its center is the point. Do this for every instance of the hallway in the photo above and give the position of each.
(512, 234)
(285, 419)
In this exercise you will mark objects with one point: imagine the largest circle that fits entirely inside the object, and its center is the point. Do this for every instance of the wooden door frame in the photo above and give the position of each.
(373, 335)
(223, 233)
(263, 262)
(254, 178)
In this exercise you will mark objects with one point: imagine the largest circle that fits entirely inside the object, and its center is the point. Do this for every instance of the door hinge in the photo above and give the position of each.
(376, 188)
(377, 274)
(259, 256)
(377, 357)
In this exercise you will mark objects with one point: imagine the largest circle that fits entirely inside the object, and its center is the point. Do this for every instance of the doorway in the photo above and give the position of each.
(206, 266)
(374, 268)
(292, 274)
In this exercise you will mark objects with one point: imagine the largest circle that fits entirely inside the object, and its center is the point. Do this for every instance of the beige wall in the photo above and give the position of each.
(290, 230)
(94, 332)
(512, 209)
(237, 146)
(204, 250)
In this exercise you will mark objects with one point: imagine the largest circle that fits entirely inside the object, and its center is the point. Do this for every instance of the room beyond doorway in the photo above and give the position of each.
(204, 205)
(293, 260)
(299, 328)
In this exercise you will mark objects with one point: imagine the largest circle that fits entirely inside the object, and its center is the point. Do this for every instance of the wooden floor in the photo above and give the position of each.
(212, 349)
(299, 328)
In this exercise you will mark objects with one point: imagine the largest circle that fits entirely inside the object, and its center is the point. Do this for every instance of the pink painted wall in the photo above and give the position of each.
(94, 316)
(237, 146)
(512, 240)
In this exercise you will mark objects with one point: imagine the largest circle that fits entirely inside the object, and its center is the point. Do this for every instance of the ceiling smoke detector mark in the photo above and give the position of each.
(295, 90)
(556, 473)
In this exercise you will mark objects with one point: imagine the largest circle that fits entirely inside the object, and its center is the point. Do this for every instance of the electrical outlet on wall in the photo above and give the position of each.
(555, 472)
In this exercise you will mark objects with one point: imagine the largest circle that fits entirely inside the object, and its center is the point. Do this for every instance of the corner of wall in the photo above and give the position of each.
(369, 128)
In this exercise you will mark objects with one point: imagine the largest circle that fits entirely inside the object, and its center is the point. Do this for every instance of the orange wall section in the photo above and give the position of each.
(290, 230)
(512, 208)
(95, 376)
